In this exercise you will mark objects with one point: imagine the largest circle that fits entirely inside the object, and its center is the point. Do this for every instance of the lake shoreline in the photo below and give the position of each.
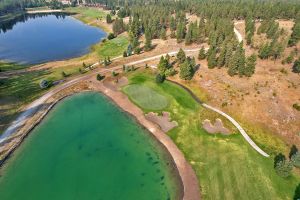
(188, 179)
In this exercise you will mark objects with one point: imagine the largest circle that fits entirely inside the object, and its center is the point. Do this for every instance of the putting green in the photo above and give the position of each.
(146, 97)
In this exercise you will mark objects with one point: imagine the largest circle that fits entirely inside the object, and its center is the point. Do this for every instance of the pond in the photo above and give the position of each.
(87, 148)
(39, 38)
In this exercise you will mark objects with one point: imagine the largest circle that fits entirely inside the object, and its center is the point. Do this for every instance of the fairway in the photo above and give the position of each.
(146, 97)
(226, 166)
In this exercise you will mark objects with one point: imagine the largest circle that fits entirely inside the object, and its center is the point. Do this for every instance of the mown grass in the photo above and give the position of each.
(111, 48)
(226, 166)
(146, 97)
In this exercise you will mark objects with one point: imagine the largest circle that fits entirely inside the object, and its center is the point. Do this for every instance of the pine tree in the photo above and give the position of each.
(181, 56)
(188, 36)
(172, 24)
(163, 33)
(162, 65)
(264, 51)
(295, 37)
(201, 55)
(250, 65)
(148, 42)
(221, 58)
(211, 58)
(186, 70)
(180, 31)
(108, 19)
(229, 53)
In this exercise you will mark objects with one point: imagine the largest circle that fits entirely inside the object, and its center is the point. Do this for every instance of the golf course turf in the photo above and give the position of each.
(226, 166)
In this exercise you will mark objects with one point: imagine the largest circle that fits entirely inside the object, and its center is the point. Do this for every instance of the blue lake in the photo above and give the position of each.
(33, 39)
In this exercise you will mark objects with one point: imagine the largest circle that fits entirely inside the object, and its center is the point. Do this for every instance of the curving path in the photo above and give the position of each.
(33, 107)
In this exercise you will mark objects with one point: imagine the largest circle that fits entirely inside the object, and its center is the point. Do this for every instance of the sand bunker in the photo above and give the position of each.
(115, 83)
(164, 120)
(218, 127)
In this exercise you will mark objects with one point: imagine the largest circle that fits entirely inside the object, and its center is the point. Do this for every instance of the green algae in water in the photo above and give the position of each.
(86, 148)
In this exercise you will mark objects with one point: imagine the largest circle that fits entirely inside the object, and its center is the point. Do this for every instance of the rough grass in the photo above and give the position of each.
(112, 48)
(10, 66)
(146, 97)
(227, 167)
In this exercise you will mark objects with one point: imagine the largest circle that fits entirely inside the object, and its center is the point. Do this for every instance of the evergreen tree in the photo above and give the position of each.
(181, 56)
(296, 66)
(172, 24)
(201, 55)
(264, 51)
(229, 53)
(221, 58)
(188, 36)
(295, 37)
(211, 58)
(163, 33)
(250, 65)
(180, 31)
(118, 26)
(162, 65)
(148, 42)
(108, 19)
(186, 70)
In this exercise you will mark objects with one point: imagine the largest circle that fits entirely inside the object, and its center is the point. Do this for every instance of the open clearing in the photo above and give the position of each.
(227, 167)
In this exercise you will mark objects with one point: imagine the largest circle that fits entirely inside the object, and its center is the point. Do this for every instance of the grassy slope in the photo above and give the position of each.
(227, 167)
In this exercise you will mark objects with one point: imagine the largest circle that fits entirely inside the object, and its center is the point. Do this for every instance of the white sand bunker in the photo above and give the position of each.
(115, 83)
(163, 121)
(218, 127)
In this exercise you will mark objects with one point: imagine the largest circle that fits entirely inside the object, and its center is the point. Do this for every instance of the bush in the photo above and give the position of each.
(99, 77)
(296, 106)
(160, 78)
(296, 159)
(44, 84)
(284, 168)
(124, 54)
(64, 74)
(111, 36)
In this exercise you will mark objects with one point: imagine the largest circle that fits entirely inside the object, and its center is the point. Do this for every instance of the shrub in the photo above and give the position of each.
(296, 159)
(284, 168)
(296, 66)
(99, 77)
(111, 36)
(64, 74)
(160, 78)
(296, 106)
(44, 84)
(114, 74)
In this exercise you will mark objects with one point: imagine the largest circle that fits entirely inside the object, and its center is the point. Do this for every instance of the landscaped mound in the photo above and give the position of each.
(146, 97)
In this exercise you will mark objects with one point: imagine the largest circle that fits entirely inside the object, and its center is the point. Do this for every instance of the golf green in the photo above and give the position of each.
(87, 148)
